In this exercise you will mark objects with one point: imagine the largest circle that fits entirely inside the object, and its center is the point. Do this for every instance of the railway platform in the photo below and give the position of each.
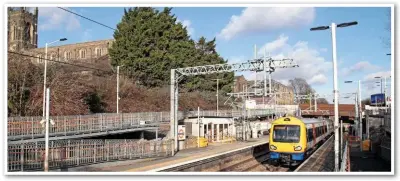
(181, 157)
(322, 160)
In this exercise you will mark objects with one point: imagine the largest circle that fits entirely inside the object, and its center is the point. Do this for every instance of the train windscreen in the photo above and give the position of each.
(286, 133)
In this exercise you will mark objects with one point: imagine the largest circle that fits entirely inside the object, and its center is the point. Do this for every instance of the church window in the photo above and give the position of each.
(98, 52)
(83, 53)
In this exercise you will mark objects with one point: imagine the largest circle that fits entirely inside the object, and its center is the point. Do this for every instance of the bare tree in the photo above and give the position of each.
(366, 101)
(322, 101)
(301, 87)
(22, 77)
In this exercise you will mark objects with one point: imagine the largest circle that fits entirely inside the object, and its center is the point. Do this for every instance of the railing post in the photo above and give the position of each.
(142, 155)
(125, 150)
(121, 120)
(32, 127)
(36, 152)
(67, 156)
(131, 118)
(108, 150)
(95, 151)
(79, 124)
(22, 157)
(65, 126)
(130, 151)
(78, 153)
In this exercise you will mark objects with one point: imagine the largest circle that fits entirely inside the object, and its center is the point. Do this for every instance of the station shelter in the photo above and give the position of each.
(214, 129)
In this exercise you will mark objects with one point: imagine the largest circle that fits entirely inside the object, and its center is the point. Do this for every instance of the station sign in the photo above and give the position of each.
(378, 100)
(181, 132)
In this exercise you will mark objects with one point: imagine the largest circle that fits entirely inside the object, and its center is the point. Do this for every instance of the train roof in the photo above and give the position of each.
(311, 120)
(303, 120)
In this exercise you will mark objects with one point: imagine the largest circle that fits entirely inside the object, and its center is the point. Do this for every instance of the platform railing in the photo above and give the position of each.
(30, 127)
(345, 161)
(72, 153)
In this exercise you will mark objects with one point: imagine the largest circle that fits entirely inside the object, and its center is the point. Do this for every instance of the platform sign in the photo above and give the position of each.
(378, 99)
(181, 132)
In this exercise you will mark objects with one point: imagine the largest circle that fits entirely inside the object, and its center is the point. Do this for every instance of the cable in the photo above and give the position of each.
(88, 18)
(61, 62)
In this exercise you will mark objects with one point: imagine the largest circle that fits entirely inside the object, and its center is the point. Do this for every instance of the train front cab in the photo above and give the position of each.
(287, 140)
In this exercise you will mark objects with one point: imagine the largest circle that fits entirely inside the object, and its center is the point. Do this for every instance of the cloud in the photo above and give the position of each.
(312, 66)
(55, 18)
(256, 19)
(187, 24)
(274, 45)
(371, 77)
(360, 66)
(318, 79)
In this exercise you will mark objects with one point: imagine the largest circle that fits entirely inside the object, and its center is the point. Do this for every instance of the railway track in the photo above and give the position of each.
(259, 163)
(255, 159)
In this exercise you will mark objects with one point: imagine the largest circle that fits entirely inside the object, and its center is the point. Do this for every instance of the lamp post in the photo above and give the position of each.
(118, 88)
(384, 82)
(45, 72)
(217, 93)
(335, 86)
(360, 116)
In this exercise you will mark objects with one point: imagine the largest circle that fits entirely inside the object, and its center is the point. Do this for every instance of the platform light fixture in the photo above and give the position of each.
(335, 77)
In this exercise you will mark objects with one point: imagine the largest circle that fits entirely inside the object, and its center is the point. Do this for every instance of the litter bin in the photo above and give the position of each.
(203, 142)
(366, 145)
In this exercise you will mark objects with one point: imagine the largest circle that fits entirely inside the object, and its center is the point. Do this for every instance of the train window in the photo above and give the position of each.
(309, 135)
(319, 131)
(286, 133)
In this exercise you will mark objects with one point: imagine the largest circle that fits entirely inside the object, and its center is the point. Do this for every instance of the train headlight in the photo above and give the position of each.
(297, 148)
(272, 147)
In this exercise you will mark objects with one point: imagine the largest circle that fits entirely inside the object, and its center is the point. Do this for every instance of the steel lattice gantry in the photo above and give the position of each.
(251, 65)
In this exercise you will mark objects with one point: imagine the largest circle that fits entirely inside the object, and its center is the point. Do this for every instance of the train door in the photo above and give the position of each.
(314, 135)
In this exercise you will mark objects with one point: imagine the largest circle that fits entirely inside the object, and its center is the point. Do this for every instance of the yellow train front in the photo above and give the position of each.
(292, 139)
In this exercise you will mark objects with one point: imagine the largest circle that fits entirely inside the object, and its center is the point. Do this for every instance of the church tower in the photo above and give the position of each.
(22, 28)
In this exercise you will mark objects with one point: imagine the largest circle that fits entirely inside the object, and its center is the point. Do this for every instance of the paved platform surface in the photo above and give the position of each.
(322, 160)
(142, 165)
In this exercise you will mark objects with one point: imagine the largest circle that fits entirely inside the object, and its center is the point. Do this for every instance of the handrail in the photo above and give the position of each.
(30, 127)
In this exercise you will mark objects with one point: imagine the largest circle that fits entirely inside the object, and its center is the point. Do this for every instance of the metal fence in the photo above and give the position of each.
(69, 153)
(30, 127)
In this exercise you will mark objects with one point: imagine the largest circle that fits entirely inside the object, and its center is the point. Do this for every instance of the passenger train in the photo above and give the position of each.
(293, 139)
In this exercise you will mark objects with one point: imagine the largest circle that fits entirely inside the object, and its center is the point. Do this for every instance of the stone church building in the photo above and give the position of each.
(23, 38)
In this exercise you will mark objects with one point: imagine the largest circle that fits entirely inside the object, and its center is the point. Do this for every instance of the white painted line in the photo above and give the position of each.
(199, 159)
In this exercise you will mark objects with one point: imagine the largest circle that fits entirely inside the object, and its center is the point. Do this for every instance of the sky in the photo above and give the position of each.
(280, 32)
